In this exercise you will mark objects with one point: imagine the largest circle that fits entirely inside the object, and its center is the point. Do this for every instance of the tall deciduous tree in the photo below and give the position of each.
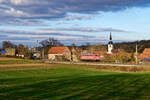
(21, 49)
(122, 56)
(8, 44)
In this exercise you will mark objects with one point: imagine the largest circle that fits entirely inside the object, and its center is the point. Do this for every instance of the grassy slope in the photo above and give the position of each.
(69, 82)
(19, 61)
(63, 82)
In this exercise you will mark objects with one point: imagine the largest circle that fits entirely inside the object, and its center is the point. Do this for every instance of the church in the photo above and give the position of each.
(110, 45)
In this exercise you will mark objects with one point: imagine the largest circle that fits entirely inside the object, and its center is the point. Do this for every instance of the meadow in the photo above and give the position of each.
(38, 81)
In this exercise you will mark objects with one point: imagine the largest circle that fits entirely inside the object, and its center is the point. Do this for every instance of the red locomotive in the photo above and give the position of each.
(90, 57)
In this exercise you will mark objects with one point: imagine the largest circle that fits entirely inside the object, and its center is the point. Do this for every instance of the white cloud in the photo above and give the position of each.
(15, 13)
(78, 17)
(1, 1)
(20, 2)
(46, 31)
(91, 30)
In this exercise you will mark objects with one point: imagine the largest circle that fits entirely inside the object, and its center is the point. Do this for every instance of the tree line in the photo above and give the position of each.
(131, 46)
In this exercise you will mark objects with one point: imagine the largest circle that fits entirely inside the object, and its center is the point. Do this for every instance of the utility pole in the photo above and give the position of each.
(136, 54)
(43, 53)
(37, 46)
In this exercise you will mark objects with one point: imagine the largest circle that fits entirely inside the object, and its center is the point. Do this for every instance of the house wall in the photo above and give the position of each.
(53, 56)
(74, 55)
(10, 51)
(67, 54)
(110, 48)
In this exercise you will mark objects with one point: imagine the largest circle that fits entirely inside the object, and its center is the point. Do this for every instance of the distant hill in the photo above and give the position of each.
(131, 46)
(127, 46)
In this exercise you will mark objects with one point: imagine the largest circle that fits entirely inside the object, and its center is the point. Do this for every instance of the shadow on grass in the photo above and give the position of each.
(104, 87)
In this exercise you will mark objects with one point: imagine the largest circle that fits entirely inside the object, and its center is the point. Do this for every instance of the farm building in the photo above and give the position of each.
(61, 53)
(10, 51)
(145, 54)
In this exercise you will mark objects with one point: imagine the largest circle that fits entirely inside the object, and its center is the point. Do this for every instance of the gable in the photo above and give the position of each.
(57, 50)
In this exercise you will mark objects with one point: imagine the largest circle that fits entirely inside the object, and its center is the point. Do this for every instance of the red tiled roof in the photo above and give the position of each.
(99, 52)
(57, 50)
(146, 50)
(145, 54)
(116, 50)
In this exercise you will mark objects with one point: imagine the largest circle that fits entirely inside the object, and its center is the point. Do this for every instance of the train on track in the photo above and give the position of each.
(90, 57)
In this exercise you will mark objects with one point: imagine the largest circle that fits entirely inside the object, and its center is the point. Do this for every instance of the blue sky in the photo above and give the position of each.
(74, 21)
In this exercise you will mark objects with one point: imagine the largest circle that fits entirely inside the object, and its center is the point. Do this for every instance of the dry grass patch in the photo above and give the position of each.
(17, 67)
(124, 69)
(7, 58)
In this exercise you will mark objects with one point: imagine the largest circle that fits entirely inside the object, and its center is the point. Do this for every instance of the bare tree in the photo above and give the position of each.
(51, 42)
(8, 44)
(21, 49)
(47, 44)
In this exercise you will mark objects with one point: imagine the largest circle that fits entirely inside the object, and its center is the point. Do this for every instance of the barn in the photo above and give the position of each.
(145, 56)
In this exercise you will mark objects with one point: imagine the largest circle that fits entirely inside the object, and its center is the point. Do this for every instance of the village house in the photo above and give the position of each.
(145, 55)
(61, 53)
(10, 51)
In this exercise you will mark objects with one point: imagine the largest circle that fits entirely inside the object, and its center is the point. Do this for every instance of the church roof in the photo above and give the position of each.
(110, 42)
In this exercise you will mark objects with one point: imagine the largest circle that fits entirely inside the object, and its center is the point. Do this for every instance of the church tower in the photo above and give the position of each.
(110, 45)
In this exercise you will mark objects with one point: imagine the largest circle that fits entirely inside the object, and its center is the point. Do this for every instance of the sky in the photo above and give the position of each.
(74, 21)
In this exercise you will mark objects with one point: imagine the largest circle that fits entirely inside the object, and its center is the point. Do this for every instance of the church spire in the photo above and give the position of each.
(110, 37)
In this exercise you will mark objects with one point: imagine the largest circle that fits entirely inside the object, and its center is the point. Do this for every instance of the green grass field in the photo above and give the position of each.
(18, 61)
(71, 82)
